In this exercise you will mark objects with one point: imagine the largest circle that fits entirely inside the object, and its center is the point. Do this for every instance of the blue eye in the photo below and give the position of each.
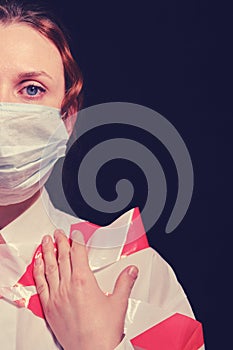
(33, 90)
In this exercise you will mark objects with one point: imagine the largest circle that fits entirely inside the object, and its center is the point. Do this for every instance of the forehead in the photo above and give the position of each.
(23, 48)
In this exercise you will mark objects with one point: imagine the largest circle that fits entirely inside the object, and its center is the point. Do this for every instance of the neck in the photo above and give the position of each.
(9, 213)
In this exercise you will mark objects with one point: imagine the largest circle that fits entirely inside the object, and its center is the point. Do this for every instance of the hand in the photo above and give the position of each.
(80, 315)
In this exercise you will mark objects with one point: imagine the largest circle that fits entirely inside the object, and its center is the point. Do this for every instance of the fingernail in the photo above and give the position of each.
(77, 236)
(38, 260)
(45, 240)
(58, 231)
(133, 272)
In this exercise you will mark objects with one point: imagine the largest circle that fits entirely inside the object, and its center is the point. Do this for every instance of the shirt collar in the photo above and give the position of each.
(31, 225)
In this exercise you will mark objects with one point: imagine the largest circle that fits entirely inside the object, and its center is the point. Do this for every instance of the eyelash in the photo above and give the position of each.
(37, 95)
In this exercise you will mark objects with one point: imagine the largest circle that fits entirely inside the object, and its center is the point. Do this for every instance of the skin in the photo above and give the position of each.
(77, 310)
(22, 52)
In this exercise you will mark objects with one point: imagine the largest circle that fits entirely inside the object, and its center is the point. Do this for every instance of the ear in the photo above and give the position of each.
(70, 119)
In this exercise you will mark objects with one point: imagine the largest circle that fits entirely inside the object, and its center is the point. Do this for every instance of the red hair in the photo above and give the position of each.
(46, 24)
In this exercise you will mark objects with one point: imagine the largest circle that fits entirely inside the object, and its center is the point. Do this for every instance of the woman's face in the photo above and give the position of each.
(31, 68)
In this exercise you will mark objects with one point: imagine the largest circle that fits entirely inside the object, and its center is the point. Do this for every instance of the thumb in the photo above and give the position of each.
(125, 282)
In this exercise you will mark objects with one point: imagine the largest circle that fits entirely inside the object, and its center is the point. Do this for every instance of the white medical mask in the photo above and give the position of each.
(32, 139)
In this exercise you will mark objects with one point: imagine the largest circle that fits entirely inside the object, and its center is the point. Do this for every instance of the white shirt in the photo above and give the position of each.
(155, 297)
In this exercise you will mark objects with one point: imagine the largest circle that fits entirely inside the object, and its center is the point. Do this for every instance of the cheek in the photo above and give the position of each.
(56, 94)
(61, 89)
(60, 97)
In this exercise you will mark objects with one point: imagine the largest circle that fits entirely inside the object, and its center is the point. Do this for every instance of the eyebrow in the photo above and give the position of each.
(33, 74)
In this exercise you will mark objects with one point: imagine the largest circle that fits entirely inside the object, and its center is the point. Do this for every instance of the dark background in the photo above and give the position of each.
(173, 57)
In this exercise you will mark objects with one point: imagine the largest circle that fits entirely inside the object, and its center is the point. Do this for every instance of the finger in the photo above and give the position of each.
(40, 280)
(50, 264)
(63, 251)
(125, 283)
(78, 252)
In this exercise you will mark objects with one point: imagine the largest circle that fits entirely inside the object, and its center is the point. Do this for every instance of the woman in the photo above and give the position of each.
(83, 308)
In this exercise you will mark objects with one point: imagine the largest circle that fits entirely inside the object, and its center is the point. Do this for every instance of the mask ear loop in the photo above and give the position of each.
(64, 116)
